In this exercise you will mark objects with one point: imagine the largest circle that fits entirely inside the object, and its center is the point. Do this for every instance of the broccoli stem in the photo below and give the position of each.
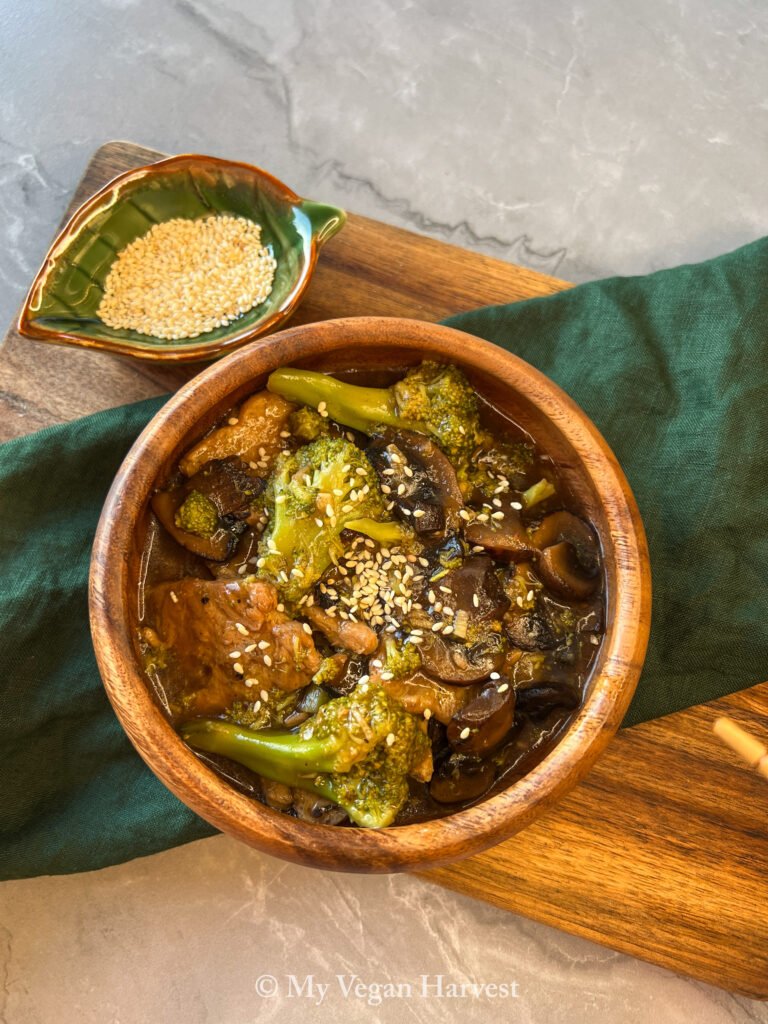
(384, 533)
(278, 755)
(538, 492)
(357, 407)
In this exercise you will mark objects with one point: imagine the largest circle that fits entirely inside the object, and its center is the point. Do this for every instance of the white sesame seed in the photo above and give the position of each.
(427, 713)
(267, 661)
(418, 513)
(234, 654)
(390, 739)
(174, 598)
(436, 626)
(264, 696)
(494, 675)
(529, 596)
(464, 734)
(319, 522)
(249, 648)
(251, 682)
(503, 688)
(594, 640)
(238, 668)
(204, 273)
(516, 505)
(475, 600)
(263, 645)
(387, 675)
(233, 421)
(497, 515)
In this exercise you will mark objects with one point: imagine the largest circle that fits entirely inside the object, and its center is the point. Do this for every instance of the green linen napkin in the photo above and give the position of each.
(671, 367)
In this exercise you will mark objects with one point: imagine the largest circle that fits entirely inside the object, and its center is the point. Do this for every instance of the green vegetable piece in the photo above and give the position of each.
(492, 462)
(432, 399)
(538, 492)
(197, 515)
(384, 533)
(307, 424)
(356, 751)
(312, 496)
(401, 659)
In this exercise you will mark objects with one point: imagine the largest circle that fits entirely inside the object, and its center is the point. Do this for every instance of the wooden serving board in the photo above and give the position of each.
(662, 852)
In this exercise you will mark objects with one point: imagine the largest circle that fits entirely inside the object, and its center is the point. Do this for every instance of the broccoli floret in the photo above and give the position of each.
(401, 659)
(441, 399)
(313, 495)
(432, 399)
(493, 468)
(198, 515)
(264, 713)
(356, 750)
(307, 424)
(375, 789)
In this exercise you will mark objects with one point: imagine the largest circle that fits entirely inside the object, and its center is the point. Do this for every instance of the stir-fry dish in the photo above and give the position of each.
(369, 605)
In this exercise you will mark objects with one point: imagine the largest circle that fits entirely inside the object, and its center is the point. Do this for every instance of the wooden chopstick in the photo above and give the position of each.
(743, 743)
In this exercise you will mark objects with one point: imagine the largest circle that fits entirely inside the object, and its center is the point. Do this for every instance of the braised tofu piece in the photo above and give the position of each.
(253, 434)
(221, 635)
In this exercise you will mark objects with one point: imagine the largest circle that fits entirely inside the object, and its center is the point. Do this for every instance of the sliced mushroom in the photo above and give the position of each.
(423, 482)
(569, 562)
(541, 698)
(459, 663)
(505, 538)
(228, 484)
(312, 698)
(565, 526)
(310, 807)
(472, 587)
(485, 722)
(459, 779)
(353, 666)
(530, 631)
(561, 570)
(541, 685)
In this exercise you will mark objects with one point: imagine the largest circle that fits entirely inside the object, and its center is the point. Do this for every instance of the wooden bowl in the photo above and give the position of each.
(597, 485)
(62, 304)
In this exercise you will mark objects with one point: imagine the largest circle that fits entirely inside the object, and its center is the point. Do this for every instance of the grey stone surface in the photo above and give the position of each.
(583, 139)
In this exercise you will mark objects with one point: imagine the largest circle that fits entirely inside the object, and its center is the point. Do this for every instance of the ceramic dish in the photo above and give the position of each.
(63, 301)
(587, 466)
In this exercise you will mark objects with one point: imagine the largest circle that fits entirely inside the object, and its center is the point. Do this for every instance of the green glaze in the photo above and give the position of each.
(67, 296)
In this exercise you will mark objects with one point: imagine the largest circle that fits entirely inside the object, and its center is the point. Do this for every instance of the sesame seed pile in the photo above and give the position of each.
(187, 277)
(380, 586)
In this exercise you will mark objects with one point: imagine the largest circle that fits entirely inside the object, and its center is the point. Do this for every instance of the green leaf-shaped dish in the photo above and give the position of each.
(63, 301)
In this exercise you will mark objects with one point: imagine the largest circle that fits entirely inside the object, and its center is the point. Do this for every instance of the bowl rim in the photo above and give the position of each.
(430, 843)
(193, 351)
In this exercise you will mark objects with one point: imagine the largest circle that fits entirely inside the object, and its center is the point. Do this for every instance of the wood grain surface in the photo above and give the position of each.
(662, 851)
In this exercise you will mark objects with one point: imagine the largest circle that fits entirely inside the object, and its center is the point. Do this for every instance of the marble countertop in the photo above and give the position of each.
(579, 138)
